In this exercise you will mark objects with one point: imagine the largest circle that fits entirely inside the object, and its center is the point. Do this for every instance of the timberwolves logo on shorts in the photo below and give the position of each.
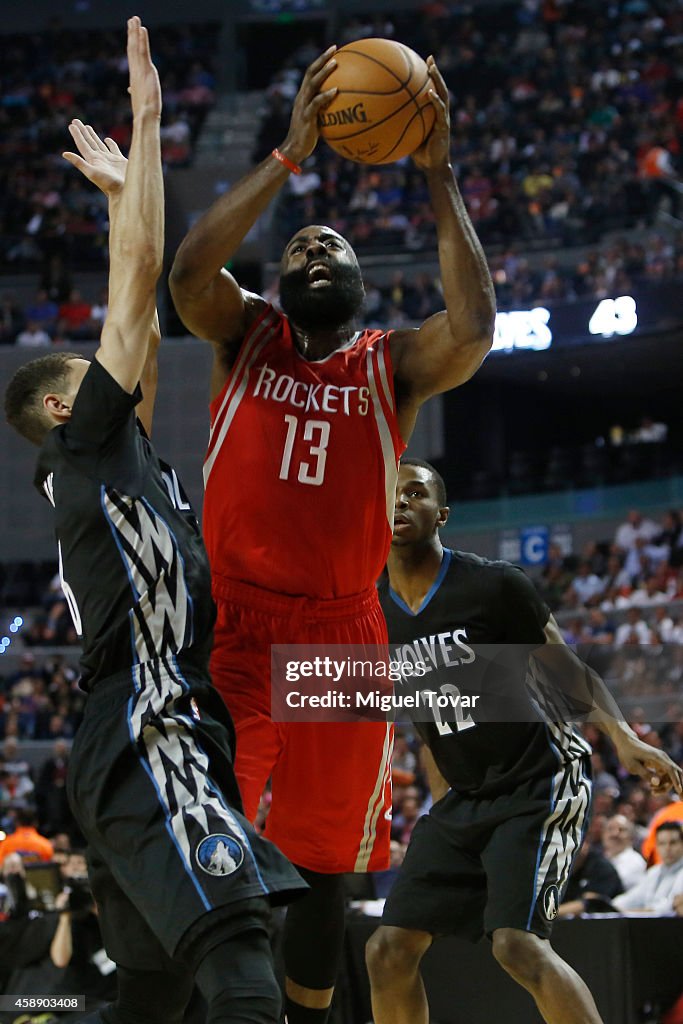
(551, 902)
(220, 855)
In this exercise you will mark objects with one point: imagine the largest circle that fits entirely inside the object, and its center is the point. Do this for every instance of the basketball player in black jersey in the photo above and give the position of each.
(182, 882)
(511, 797)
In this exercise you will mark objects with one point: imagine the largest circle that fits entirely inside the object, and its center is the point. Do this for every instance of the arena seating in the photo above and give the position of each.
(50, 218)
(551, 148)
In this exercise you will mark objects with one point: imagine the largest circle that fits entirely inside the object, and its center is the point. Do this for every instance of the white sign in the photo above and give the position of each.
(534, 545)
(614, 316)
(522, 329)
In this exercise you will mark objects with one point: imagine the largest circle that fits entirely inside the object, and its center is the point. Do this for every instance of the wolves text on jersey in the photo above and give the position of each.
(441, 650)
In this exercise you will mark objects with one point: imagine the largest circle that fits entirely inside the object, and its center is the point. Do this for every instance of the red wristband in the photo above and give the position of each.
(286, 162)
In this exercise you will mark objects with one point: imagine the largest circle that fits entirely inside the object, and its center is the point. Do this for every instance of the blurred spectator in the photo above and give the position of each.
(384, 880)
(634, 631)
(56, 279)
(13, 896)
(77, 945)
(649, 593)
(670, 533)
(53, 626)
(273, 127)
(11, 318)
(635, 528)
(53, 809)
(403, 758)
(33, 336)
(664, 628)
(176, 139)
(596, 556)
(616, 577)
(18, 782)
(673, 811)
(657, 888)
(74, 317)
(553, 585)
(603, 781)
(408, 816)
(592, 877)
(98, 312)
(17, 790)
(585, 588)
(43, 311)
(617, 844)
(598, 629)
(26, 840)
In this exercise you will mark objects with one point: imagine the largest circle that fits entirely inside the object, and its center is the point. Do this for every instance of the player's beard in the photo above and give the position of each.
(322, 308)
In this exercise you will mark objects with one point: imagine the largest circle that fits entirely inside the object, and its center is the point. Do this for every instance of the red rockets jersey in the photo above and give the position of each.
(300, 472)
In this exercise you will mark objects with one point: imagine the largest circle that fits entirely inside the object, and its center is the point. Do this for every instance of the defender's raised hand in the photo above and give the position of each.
(435, 150)
(102, 162)
(144, 88)
(310, 101)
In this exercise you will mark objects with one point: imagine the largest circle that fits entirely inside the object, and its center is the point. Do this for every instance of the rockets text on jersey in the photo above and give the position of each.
(300, 471)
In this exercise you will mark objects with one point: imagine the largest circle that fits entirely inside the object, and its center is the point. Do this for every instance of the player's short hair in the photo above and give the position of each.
(670, 826)
(439, 484)
(24, 394)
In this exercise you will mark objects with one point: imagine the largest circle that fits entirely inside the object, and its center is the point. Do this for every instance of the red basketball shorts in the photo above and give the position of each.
(331, 782)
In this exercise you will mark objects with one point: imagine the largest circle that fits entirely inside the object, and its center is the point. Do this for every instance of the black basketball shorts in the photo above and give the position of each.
(475, 865)
(152, 788)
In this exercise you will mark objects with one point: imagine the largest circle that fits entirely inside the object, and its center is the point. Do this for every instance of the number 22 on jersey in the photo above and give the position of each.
(310, 470)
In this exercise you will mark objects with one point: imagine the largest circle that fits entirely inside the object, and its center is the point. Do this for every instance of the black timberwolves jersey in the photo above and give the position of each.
(132, 561)
(472, 604)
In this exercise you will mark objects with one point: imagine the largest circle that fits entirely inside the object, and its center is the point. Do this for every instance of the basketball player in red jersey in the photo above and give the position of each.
(307, 413)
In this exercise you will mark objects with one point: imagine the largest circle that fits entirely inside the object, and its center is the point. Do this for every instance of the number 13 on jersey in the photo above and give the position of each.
(312, 469)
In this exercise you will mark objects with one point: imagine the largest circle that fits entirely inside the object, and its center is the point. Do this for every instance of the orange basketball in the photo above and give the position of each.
(382, 111)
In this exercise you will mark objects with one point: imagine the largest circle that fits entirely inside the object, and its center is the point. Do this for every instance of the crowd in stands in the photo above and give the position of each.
(50, 939)
(39, 790)
(58, 315)
(640, 569)
(566, 124)
(50, 217)
(40, 700)
(615, 268)
(576, 136)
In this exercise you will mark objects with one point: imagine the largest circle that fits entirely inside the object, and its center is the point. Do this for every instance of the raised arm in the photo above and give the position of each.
(584, 688)
(450, 346)
(208, 299)
(149, 378)
(136, 234)
(103, 163)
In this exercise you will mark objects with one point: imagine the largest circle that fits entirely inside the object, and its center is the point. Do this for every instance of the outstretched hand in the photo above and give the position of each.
(309, 103)
(435, 150)
(652, 765)
(144, 88)
(102, 162)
